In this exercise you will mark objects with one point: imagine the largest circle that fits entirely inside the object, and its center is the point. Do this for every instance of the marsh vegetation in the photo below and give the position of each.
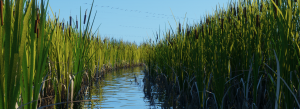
(245, 56)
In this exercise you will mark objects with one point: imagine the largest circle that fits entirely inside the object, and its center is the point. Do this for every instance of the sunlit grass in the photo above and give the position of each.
(234, 45)
(41, 58)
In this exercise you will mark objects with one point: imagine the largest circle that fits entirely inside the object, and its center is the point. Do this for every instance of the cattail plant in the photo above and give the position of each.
(63, 25)
(245, 13)
(196, 34)
(84, 17)
(275, 9)
(37, 15)
(222, 20)
(76, 22)
(219, 54)
(37, 33)
(187, 32)
(156, 36)
(237, 10)
(179, 28)
(70, 21)
(261, 6)
(36, 26)
(257, 21)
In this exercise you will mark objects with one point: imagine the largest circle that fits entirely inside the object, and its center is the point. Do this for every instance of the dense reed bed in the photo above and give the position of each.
(46, 63)
(242, 57)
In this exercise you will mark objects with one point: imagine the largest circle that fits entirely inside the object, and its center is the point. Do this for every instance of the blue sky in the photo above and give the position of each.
(136, 20)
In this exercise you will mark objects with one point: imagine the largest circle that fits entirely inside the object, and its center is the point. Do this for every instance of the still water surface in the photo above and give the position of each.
(120, 89)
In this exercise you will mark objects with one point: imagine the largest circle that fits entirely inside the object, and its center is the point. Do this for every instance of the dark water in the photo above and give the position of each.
(120, 89)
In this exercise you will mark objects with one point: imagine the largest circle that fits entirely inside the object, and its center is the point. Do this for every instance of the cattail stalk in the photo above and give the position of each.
(1, 12)
(257, 21)
(70, 32)
(169, 35)
(238, 13)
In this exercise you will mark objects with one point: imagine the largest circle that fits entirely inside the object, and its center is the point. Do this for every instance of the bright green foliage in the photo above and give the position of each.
(232, 44)
(35, 52)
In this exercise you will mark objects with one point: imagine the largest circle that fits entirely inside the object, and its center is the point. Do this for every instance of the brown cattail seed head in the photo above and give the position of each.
(76, 22)
(245, 12)
(275, 15)
(202, 31)
(36, 26)
(156, 36)
(222, 20)
(196, 34)
(84, 17)
(207, 21)
(234, 11)
(187, 32)
(63, 25)
(238, 13)
(179, 28)
(37, 35)
(257, 21)
(70, 20)
(261, 6)
(1, 12)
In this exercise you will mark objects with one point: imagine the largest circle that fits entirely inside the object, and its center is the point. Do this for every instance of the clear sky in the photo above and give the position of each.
(136, 20)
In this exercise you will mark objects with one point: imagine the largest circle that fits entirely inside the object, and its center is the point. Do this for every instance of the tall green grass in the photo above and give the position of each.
(245, 56)
(45, 62)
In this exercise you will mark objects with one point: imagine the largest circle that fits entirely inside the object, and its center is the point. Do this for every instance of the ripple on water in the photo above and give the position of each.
(120, 89)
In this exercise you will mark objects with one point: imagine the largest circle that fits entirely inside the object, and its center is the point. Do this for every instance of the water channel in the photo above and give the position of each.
(123, 88)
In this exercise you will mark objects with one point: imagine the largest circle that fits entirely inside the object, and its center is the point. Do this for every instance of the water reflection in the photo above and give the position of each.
(121, 89)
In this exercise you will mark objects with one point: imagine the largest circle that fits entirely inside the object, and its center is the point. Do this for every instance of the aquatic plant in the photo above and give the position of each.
(245, 56)
(45, 62)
